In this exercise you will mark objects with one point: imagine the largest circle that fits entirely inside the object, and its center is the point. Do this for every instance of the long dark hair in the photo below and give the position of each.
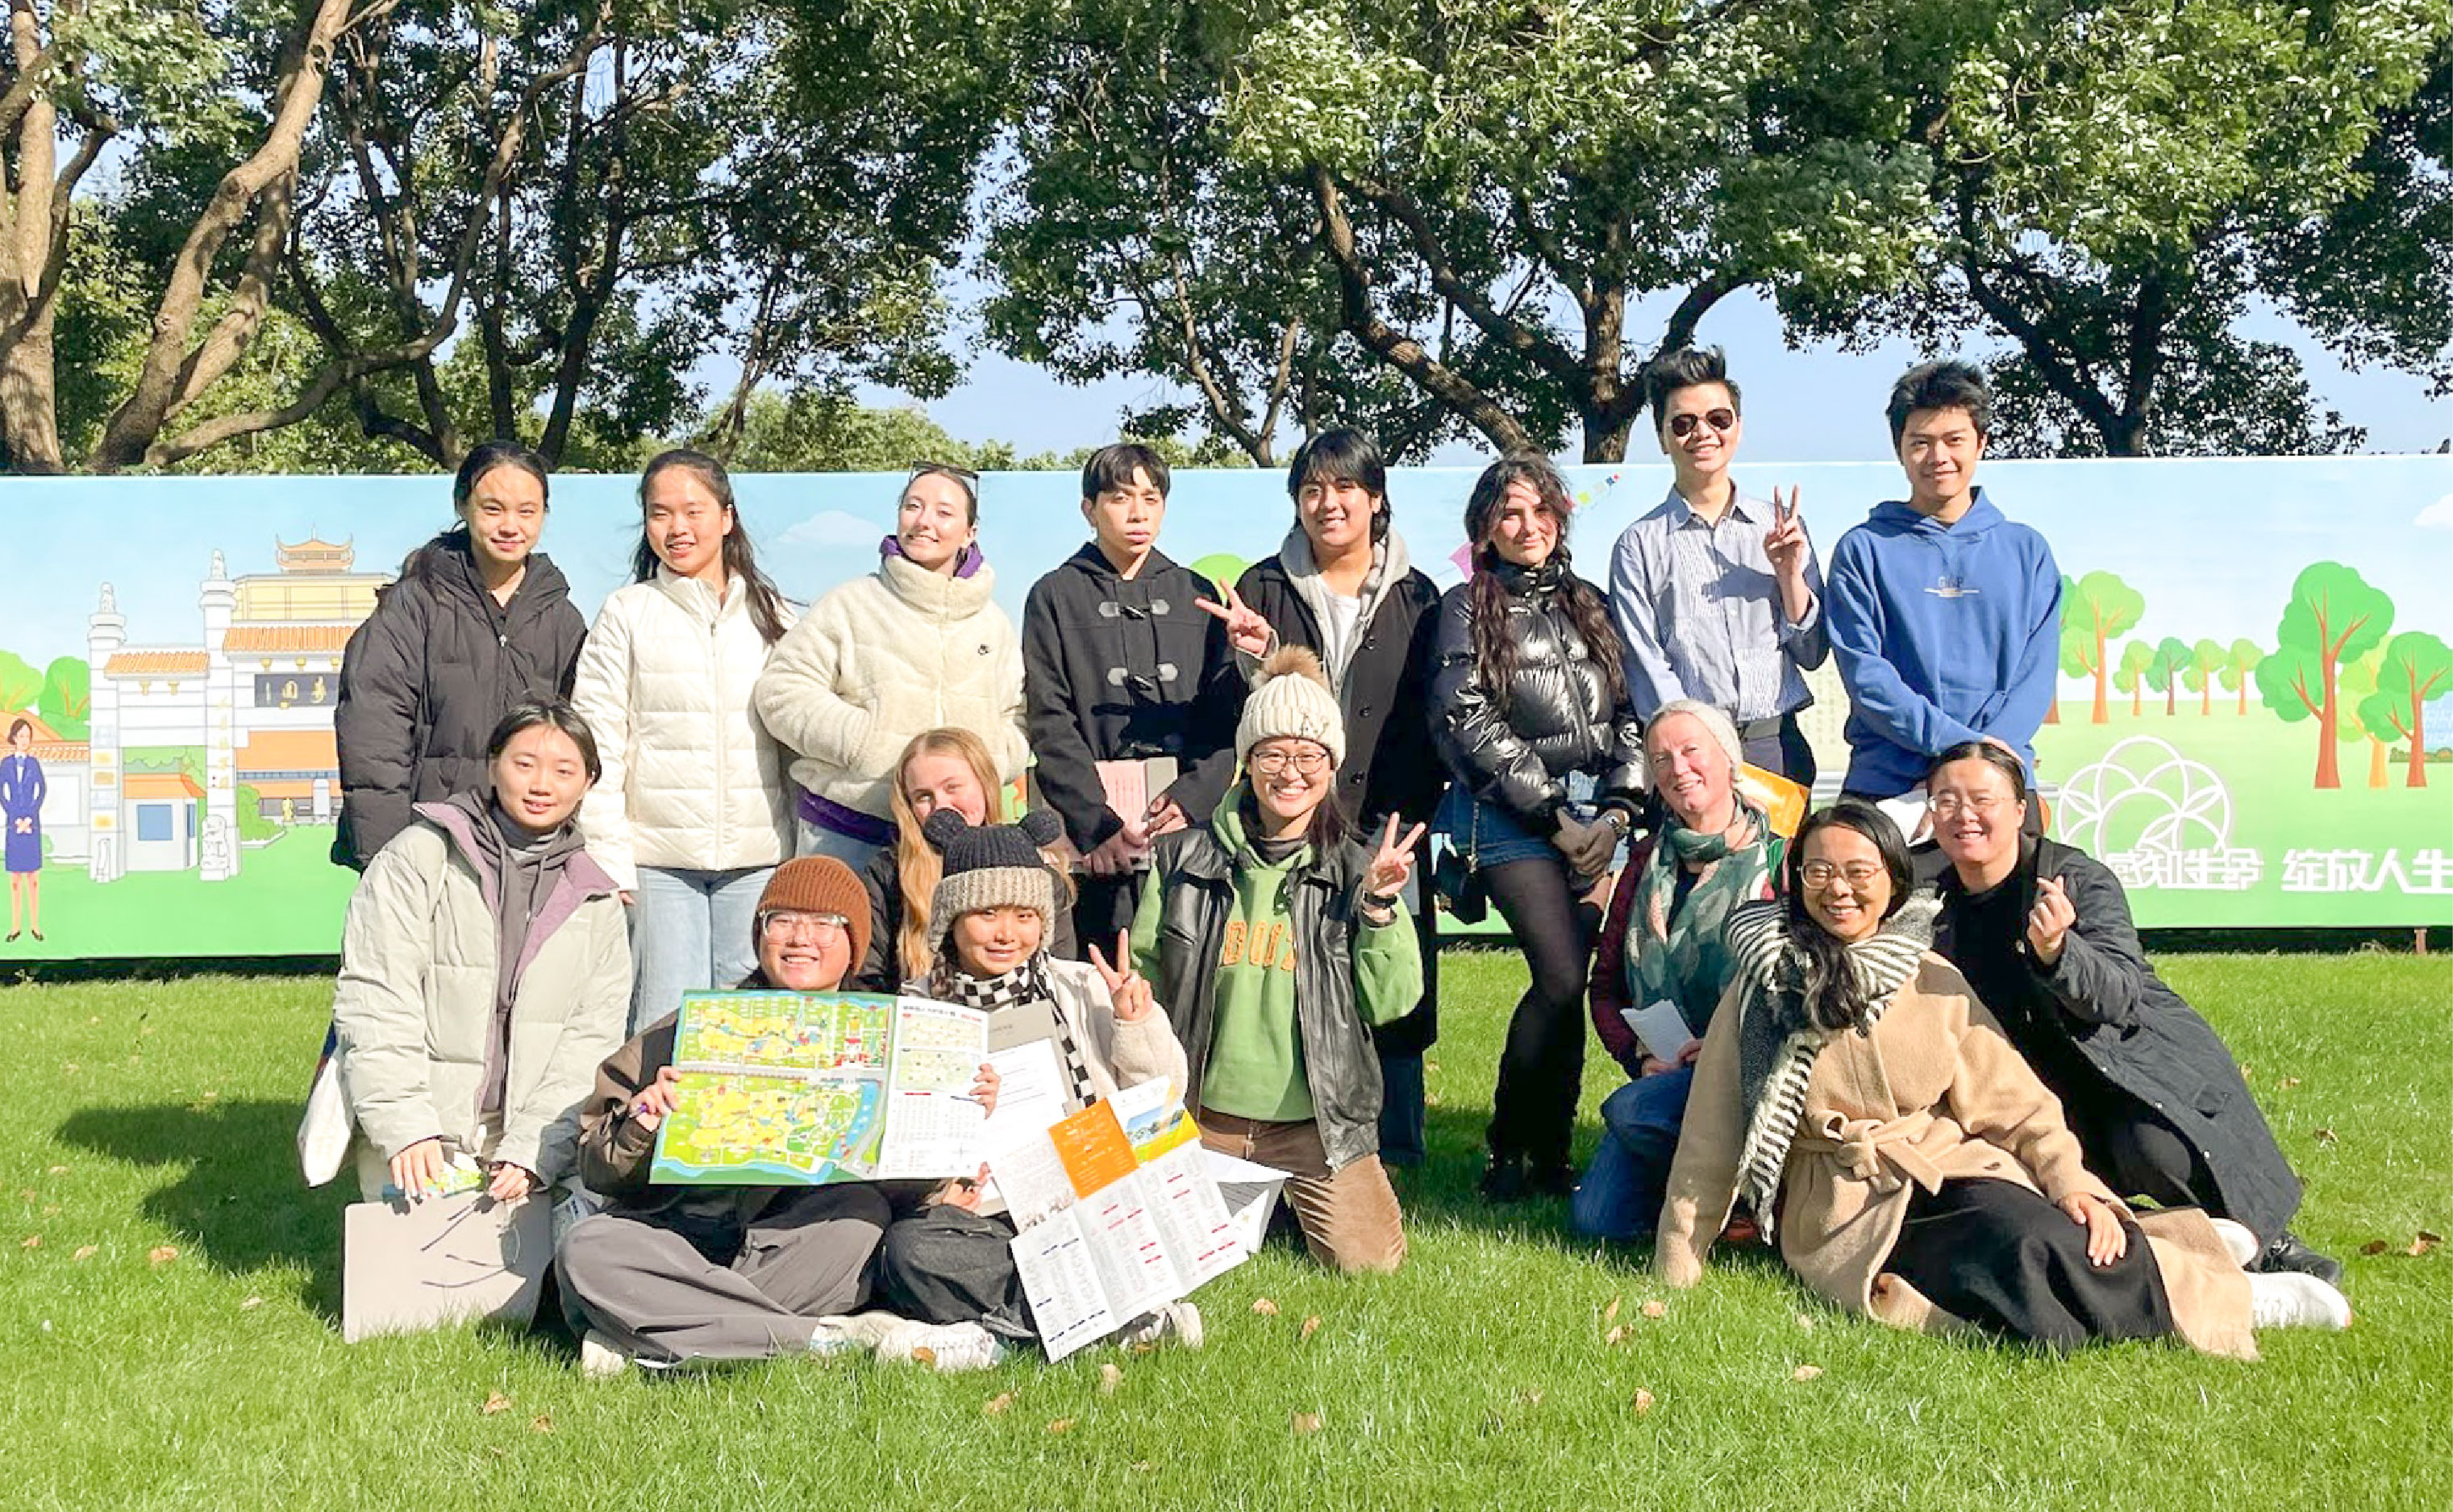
(482, 459)
(766, 605)
(1494, 648)
(1344, 454)
(1819, 972)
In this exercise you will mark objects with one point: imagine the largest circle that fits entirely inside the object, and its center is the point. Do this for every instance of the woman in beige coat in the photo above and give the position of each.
(917, 644)
(1909, 1163)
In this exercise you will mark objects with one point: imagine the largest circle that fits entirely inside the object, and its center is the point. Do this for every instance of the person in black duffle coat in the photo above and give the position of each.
(2042, 930)
(1343, 587)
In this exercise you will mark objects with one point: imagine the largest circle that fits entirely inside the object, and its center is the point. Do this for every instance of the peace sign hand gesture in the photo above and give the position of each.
(1392, 864)
(1784, 543)
(2050, 920)
(1127, 991)
(1247, 631)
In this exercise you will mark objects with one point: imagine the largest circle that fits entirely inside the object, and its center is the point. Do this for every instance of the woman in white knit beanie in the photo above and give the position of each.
(1276, 942)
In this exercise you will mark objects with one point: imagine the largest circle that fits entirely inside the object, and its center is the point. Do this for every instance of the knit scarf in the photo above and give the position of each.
(1025, 985)
(1690, 965)
(1778, 1041)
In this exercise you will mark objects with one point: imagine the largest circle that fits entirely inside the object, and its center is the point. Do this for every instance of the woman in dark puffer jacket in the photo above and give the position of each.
(1528, 689)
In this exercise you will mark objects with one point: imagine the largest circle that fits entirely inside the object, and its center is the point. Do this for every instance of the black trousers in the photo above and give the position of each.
(1779, 745)
(1103, 908)
(2139, 1154)
(947, 1264)
(1542, 1067)
(2002, 1257)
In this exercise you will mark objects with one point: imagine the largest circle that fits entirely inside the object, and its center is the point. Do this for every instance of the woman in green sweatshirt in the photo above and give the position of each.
(1276, 942)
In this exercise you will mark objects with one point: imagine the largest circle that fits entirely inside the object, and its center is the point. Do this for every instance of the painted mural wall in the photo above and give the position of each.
(2255, 727)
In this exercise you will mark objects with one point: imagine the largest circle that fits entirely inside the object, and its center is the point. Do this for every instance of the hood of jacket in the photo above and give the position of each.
(449, 563)
(1897, 517)
(1390, 563)
(1094, 562)
(933, 595)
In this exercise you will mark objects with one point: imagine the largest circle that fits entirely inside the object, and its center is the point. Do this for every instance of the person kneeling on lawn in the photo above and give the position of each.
(949, 1268)
(1277, 943)
(1902, 1154)
(1663, 943)
(668, 1274)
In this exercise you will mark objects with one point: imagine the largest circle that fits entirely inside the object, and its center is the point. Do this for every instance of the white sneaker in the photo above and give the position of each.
(2242, 1245)
(947, 1347)
(598, 1358)
(1177, 1320)
(860, 1330)
(2291, 1299)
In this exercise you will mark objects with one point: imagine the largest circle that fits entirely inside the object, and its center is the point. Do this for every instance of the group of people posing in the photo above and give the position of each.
(1922, 1054)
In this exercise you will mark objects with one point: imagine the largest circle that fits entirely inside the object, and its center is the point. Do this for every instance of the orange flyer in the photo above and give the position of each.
(1093, 1149)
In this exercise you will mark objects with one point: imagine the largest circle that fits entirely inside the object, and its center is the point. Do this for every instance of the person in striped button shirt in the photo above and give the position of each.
(1716, 593)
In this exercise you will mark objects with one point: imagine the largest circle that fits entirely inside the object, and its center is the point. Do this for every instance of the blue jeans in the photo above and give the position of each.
(691, 932)
(1623, 1189)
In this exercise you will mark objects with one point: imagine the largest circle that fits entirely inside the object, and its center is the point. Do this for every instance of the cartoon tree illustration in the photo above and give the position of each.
(21, 685)
(2334, 616)
(2239, 672)
(2353, 686)
(2206, 660)
(2130, 676)
(67, 697)
(2414, 667)
(2095, 609)
(2164, 667)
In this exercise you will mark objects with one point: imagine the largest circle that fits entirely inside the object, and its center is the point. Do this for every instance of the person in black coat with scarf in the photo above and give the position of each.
(478, 622)
(1343, 587)
(2042, 931)
(1528, 689)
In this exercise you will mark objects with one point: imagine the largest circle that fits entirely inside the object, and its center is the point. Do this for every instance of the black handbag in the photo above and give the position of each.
(1457, 875)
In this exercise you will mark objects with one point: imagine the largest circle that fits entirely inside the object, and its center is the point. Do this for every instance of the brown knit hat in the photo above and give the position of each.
(818, 885)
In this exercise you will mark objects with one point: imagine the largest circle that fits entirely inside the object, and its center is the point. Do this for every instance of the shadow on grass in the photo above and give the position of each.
(238, 1194)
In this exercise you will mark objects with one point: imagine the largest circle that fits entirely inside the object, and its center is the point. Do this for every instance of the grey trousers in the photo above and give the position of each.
(667, 1288)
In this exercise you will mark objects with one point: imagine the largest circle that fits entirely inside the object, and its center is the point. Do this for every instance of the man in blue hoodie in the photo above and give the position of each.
(1944, 616)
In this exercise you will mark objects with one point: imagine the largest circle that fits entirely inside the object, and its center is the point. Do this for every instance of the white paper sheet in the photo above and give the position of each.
(1661, 1027)
(1058, 1277)
(1031, 1178)
(933, 1122)
(1193, 1217)
(1030, 1096)
(1126, 1250)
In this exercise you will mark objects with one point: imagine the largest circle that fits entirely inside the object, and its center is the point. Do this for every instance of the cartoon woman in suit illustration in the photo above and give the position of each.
(21, 812)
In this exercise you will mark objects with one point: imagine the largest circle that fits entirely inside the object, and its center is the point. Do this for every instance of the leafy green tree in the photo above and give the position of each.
(2334, 617)
(2239, 670)
(2206, 662)
(68, 696)
(2353, 687)
(2095, 609)
(2130, 676)
(21, 684)
(2164, 669)
(2414, 667)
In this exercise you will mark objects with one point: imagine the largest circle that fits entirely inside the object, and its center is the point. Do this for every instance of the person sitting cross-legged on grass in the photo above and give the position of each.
(484, 970)
(668, 1274)
(947, 1268)
(1664, 942)
(1902, 1154)
(2042, 931)
(1277, 943)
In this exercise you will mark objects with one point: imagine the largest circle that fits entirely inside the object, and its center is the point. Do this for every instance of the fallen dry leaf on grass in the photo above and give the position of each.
(922, 1355)
(1805, 1320)
(1109, 1379)
(2376, 1247)
(1061, 1425)
(1656, 1309)
(2325, 1136)
(1806, 1372)
(251, 1303)
(162, 1254)
(1643, 1402)
(542, 1422)
(1306, 1423)
(2287, 1082)
(1266, 1307)
(998, 1406)
(1617, 1334)
(1609, 1314)
(58, 1170)
(2424, 1241)
(495, 1402)
(86, 1251)
(1311, 1327)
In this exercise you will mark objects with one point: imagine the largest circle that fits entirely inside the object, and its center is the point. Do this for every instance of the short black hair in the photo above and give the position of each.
(1113, 468)
(1344, 454)
(2006, 762)
(1685, 368)
(1948, 384)
(559, 714)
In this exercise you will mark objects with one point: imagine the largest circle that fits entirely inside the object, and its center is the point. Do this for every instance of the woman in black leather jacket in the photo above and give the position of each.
(1528, 689)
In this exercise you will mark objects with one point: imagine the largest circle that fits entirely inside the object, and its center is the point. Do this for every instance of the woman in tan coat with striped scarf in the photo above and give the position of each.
(1904, 1157)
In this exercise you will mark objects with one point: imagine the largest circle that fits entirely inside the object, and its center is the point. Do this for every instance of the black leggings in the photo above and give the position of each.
(2001, 1257)
(1541, 1070)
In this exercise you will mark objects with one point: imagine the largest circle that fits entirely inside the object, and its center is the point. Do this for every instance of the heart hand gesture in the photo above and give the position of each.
(1126, 990)
(2050, 920)
(1246, 629)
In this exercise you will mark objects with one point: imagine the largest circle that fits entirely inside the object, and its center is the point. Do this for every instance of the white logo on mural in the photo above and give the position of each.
(2158, 818)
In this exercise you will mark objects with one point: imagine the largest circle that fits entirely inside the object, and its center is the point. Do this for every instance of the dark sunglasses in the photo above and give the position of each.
(1722, 421)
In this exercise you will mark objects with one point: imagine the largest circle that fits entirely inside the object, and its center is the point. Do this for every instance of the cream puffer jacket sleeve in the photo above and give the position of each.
(883, 658)
(691, 779)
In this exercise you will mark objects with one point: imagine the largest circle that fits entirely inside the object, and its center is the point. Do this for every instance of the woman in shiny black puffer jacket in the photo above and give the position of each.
(1528, 689)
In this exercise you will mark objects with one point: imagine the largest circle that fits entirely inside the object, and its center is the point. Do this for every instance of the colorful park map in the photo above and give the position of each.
(785, 1089)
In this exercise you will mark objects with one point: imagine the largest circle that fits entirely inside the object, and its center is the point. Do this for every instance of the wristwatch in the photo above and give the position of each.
(1617, 819)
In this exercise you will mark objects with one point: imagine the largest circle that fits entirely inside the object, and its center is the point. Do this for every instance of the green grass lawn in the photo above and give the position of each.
(159, 1116)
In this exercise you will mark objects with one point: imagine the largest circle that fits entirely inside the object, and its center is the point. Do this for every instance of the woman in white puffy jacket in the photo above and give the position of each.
(920, 644)
(694, 811)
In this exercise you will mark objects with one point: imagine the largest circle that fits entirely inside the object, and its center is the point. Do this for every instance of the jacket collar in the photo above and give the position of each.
(933, 594)
(1092, 560)
(695, 596)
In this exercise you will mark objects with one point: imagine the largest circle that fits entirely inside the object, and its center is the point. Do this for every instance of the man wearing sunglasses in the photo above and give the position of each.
(1716, 593)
